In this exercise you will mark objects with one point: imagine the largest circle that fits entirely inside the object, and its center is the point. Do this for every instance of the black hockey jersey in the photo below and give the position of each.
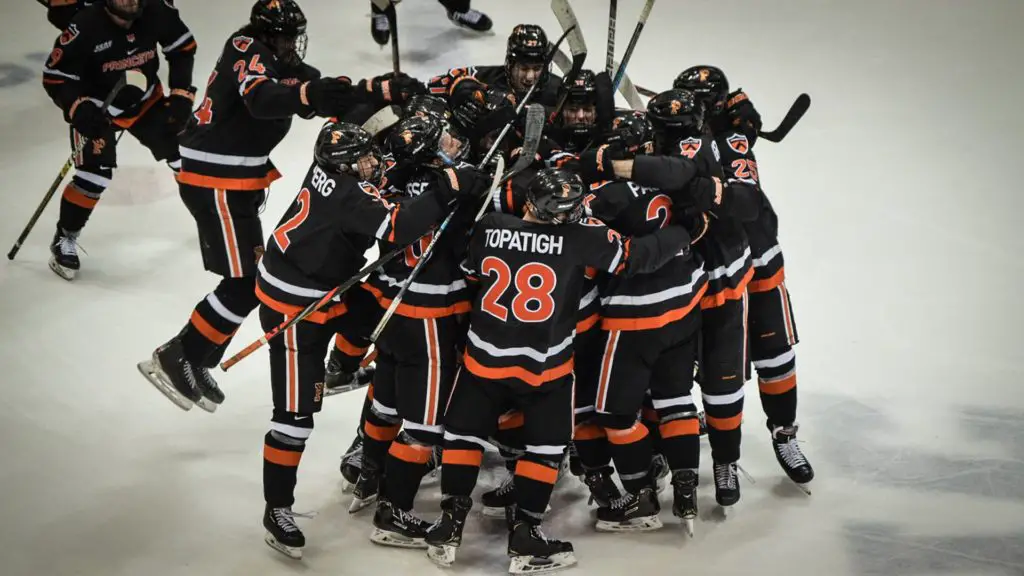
(93, 52)
(323, 235)
(646, 301)
(530, 279)
(245, 113)
(441, 85)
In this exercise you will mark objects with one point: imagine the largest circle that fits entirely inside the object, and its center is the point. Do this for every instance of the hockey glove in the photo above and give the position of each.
(179, 108)
(596, 164)
(464, 183)
(391, 88)
(705, 193)
(88, 120)
(742, 113)
(327, 96)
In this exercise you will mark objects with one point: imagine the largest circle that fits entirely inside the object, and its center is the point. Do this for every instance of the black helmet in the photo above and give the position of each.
(708, 84)
(427, 105)
(556, 196)
(340, 145)
(416, 139)
(676, 111)
(528, 44)
(634, 131)
(581, 92)
(282, 26)
(128, 10)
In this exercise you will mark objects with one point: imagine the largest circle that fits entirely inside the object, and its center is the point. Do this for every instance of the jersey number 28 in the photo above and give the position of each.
(534, 283)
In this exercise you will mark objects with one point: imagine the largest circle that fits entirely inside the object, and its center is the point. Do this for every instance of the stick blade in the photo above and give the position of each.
(567, 19)
(382, 120)
(136, 78)
(796, 112)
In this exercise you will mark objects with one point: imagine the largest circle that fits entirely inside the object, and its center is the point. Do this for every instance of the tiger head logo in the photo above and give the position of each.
(675, 106)
(566, 189)
(406, 136)
(704, 73)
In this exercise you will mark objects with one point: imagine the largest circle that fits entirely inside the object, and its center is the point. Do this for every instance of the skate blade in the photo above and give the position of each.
(148, 369)
(206, 404)
(644, 524)
(65, 273)
(803, 487)
(342, 389)
(361, 503)
(443, 556)
(535, 565)
(293, 553)
(493, 512)
(386, 538)
(688, 526)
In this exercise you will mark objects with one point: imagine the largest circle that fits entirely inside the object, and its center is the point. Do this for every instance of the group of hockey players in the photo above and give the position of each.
(635, 256)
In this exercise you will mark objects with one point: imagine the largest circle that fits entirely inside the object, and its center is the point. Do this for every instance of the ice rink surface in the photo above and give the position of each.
(898, 195)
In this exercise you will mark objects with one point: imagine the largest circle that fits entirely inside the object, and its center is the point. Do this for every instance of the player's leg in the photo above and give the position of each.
(723, 372)
(380, 428)
(344, 370)
(157, 131)
(508, 439)
(296, 375)
(590, 442)
(470, 417)
(352, 459)
(547, 429)
(460, 13)
(94, 167)
(772, 333)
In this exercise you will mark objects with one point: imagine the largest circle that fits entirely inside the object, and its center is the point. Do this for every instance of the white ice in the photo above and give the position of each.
(899, 201)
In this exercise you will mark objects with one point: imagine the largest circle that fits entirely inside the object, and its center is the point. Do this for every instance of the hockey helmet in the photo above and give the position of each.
(281, 24)
(556, 196)
(708, 83)
(340, 146)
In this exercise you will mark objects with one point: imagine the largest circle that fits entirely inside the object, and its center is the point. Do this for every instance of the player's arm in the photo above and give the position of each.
(638, 255)
(680, 178)
(60, 12)
(368, 213)
(62, 72)
(442, 84)
(179, 47)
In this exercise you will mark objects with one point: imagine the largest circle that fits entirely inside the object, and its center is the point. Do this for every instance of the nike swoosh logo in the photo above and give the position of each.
(300, 417)
(132, 51)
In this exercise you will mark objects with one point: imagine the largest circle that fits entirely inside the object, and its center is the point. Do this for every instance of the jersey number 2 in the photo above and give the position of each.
(281, 234)
(534, 284)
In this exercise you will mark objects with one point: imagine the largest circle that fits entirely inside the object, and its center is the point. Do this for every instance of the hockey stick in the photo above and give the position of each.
(388, 8)
(577, 46)
(131, 77)
(613, 10)
(629, 92)
(383, 119)
(527, 153)
(796, 112)
(644, 14)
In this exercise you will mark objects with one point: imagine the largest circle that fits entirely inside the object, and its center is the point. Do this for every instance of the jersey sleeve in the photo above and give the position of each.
(607, 199)
(367, 213)
(60, 12)
(442, 84)
(607, 251)
(252, 67)
(179, 46)
(63, 68)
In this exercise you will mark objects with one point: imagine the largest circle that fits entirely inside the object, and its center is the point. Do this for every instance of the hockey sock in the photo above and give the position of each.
(216, 318)
(592, 446)
(649, 416)
(77, 203)
(460, 464)
(281, 456)
(631, 451)
(378, 433)
(776, 381)
(349, 351)
(680, 442)
(723, 412)
(535, 478)
(367, 408)
(406, 465)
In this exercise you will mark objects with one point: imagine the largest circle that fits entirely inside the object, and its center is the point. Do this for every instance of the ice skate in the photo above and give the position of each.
(474, 20)
(337, 381)
(602, 487)
(212, 396)
(351, 464)
(727, 484)
(172, 374)
(380, 29)
(684, 498)
(397, 528)
(445, 536)
(495, 501)
(631, 513)
(64, 254)
(533, 553)
(659, 473)
(283, 534)
(365, 491)
(790, 457)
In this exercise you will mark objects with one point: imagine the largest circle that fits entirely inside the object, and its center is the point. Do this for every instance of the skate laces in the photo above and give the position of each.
(725, 476)
(354, 457)
(507, 486)
(68, 244)
(789, 447)
(469, 16)
(285, 518)
(380, 23)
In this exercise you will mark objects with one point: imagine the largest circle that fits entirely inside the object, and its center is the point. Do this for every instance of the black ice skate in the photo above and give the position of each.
(631, 513)
(352, 463)
(684, 497)
(64, 254)
(575, 466)
(172, 374)
(727, 484)
(364, 493)
(602, 487)
(283, 534)
(445, 536)
(533, 553)
(397, 528)
(379, 28)
(474, 20)
(790, 457)
(337, 381)
(659, 473)
(495, 501)
(212, 395)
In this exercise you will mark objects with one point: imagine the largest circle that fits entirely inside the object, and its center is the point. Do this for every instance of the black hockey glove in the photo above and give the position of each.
(596, 165)
(179, 108)
(89, 120)
(464, 183)
(742, 113)
(391, 88)
(327, 96)
(705, 193)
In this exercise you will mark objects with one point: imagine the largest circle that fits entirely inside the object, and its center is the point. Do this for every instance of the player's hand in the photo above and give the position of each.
(391, 88)
(743, 114)
(89, 120)
(328, 96)
(596, 164)
(179, 108)
(463, 183)
(705, 193)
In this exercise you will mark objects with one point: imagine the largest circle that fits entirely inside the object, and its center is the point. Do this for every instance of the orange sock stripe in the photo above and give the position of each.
(369, 392)
(462, 457)
(588, 432)
(782, 386)
(537, 472)
(687, 427)
(510, 420)
(411, 454)
(724, 424)
(381, 433)
(208, 331)
(634, 433)
(78, 198)
(281, 457)
(348, 348)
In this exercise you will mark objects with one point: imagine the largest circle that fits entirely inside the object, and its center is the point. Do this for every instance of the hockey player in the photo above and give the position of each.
(459, 12)
(520, 350)
(319, 244)
(734, 123)
(524, 67)
(259, 83)
(93, 52)
(586, 116)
